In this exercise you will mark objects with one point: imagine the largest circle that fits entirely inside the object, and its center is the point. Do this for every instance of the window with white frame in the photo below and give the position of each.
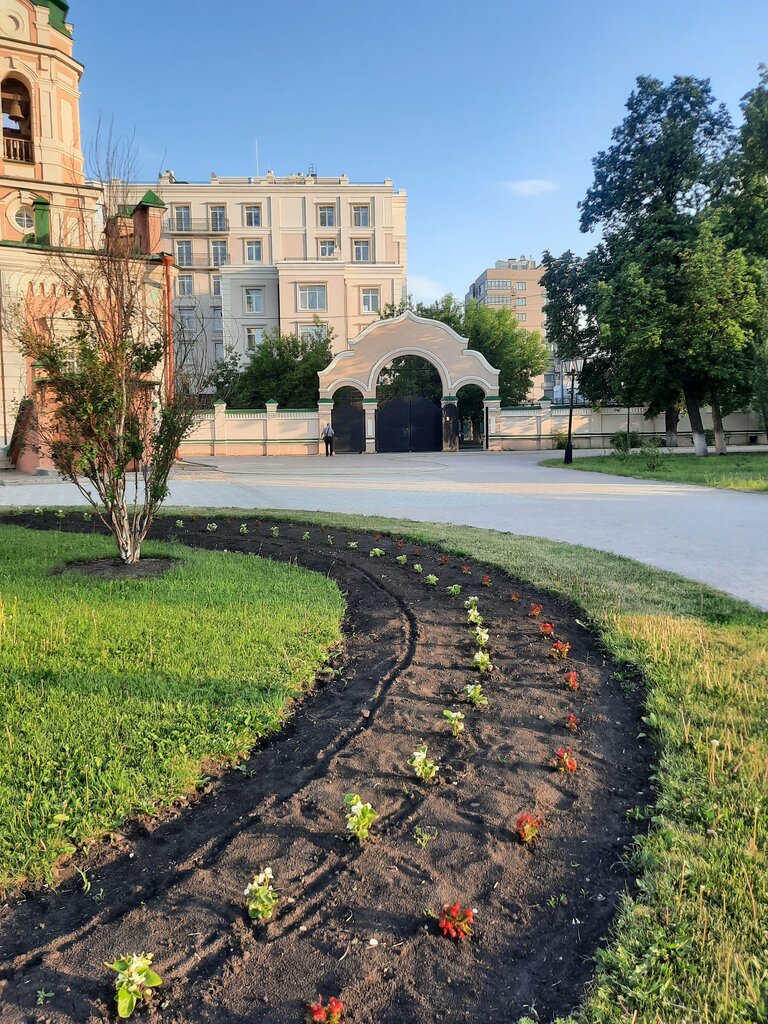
(313, 296)
(522, 301)
(185, 285)
(498, 300)
(184, 254)
(219, 254)
(327, 246)
(181, 218)
(218, 216)
(218, 351)
(522, 317)
(218, 322)
(520, 285)
(253, 338)
(253, 251)
(24, 219)
(360, 216)
(215, 284)
(327, 215)
(187, 321)
(253, 300)
(498, 283)
(361, 251)
(370, 300)
(311, 332)
(253, 216)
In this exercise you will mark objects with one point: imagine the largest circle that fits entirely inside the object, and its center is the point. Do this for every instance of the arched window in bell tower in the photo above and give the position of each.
(17, 122)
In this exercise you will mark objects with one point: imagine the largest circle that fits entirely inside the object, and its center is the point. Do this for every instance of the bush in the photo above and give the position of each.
(559, 440)
(651, 453)
(622, 442)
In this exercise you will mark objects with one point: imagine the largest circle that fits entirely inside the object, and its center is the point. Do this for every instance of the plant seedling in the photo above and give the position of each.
(305, 535)
(352, 545)
(572, 680)
(431, 580)
(38, 511)
(422, 765)
(466, 570)
(454, 590)
(135, 978)
(59, 513)
(563, 761)
(572, 722)
(486, 581)
(328, 1014)
(482, 661)
(527, 827)
(260, 896)
(417, 567)
(559, 650)
(455, 922)
(456, 721)
(376, 553)
(329, 538)
(481, 637)
(475, 696)
(515, 596)
(360, 817)
(443, 559)
(423, 836)
(212, 527)
(547, 628)
(179, 524)
(536, 609)
(43, 996)
(471, 602)
(402, 559)
(474, 618)
(87, 516)
(275, 531)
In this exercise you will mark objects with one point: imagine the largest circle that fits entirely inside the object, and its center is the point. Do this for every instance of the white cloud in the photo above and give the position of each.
(531, 186)
(424, 289)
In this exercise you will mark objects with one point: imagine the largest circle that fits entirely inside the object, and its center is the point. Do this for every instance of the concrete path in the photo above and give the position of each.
(717, 537)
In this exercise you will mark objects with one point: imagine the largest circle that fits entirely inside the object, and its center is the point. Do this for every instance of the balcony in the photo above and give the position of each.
(196, 262)
(17, 150)
(192, 226)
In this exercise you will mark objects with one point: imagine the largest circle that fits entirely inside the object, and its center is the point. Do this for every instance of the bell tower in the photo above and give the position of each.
(43, 196)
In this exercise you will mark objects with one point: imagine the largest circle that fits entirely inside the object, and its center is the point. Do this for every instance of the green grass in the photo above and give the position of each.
(689, 942)
(115, 694)
(737, 472)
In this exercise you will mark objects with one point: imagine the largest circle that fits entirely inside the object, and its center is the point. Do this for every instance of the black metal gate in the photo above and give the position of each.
(409, 425)
(348, 422)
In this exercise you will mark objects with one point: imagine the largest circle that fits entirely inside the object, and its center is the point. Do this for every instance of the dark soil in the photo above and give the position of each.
(354, 921)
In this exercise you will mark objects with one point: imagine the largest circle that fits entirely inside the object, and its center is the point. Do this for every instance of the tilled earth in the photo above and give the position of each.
(355, 921)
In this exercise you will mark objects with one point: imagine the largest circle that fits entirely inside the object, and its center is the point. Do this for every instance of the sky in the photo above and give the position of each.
(487, 113)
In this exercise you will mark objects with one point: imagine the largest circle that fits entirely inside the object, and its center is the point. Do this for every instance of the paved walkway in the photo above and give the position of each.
(718, 537)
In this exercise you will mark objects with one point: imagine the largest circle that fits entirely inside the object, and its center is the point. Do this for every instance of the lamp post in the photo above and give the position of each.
(571, 367)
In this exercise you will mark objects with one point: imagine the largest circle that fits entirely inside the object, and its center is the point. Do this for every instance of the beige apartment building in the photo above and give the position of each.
(515, 284)
(255, 253)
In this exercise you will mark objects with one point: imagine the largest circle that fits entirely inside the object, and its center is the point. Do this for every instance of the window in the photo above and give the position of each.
(520, 285)
(494, 283)
(522, 301)
(498, 300)
(310, 332)
(187, 321)
(522, 317)
(327, 216)
(185, 285)
(312, 296)
(219, 254)
(370, 297)
(253, 338)
(253, 252)
(24, 219)
(362, 251)
(218, 218)
(360, 216)
(327, 247)
(181, 218)
(215, 284)
(218, 323)
(522, 265)
(184, 254)
(253, 216)
(218, 350)
(254, 300)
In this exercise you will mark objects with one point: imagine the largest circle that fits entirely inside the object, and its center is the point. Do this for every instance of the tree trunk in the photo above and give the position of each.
(697, 427)
(717, 423)
(671, 419)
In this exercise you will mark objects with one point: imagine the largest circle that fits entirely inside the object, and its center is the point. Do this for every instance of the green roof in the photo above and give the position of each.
(57, 13)
(151, 198)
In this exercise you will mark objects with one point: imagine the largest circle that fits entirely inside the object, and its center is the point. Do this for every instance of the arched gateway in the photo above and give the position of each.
(374, 348)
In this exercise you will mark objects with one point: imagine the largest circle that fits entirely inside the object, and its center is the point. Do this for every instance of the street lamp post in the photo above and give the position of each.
(571, 368)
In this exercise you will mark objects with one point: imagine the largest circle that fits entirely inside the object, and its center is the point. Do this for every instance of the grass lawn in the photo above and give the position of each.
(114, 694)
(737, 472)
(689, 944)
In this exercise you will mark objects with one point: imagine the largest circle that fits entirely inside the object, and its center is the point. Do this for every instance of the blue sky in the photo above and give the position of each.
(487, 113)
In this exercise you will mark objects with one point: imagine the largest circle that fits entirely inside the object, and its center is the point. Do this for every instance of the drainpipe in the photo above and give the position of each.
(167, 264)
(2, 363)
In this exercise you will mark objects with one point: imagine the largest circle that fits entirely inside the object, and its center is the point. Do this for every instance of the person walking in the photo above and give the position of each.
(328, 436)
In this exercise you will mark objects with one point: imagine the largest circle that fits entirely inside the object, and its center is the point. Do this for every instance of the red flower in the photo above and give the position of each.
(572, 680)
(316, 1012)
(547, 628)
(515, 596)
(377, 536)
(536, 609)
(486, 581)
(572, 722)
(456, 923)
(466, 570)
(560, 650)
(527, 827)
(401, 543)
(443, 559)
(330, 1014)
(335, 1005)
(563, 761)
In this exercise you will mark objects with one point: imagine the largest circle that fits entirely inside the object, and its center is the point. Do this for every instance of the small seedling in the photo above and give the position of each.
(179, 524)
(417, 567)
(305, 535)
(563, 761)
(275, 531)
(466, 570)
(43, 996)
(352, 545)
(329, 539)
(482, 662)
(425, 768)
(455, 922)
(212, 527)
(475, 696)
(423, 836)
(38, 511)
(87, 516)
(443, 559)
(572, 680)
(456, 721)
(527, 827)
(471, 602)
(135, 978)
(402, 559)
(572, 722)
(486, 581)
(360, 817)
(454, 590)
(547, 628)
(481, 637)
(243, 529)
(474, 618)
(376, 552)
(328, 1014)
(536, 609)
(431, 580)
(559, 650)
(260, 896)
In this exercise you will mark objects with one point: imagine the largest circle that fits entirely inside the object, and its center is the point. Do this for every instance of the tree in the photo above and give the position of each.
(745, 204)
(111, 413)
(409, 375)
(283, 369)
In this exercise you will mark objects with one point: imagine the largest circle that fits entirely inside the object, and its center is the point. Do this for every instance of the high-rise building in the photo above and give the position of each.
(515, 284)
(258, 253)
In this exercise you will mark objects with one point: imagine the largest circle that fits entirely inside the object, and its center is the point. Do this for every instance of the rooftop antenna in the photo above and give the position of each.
(312, 171)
